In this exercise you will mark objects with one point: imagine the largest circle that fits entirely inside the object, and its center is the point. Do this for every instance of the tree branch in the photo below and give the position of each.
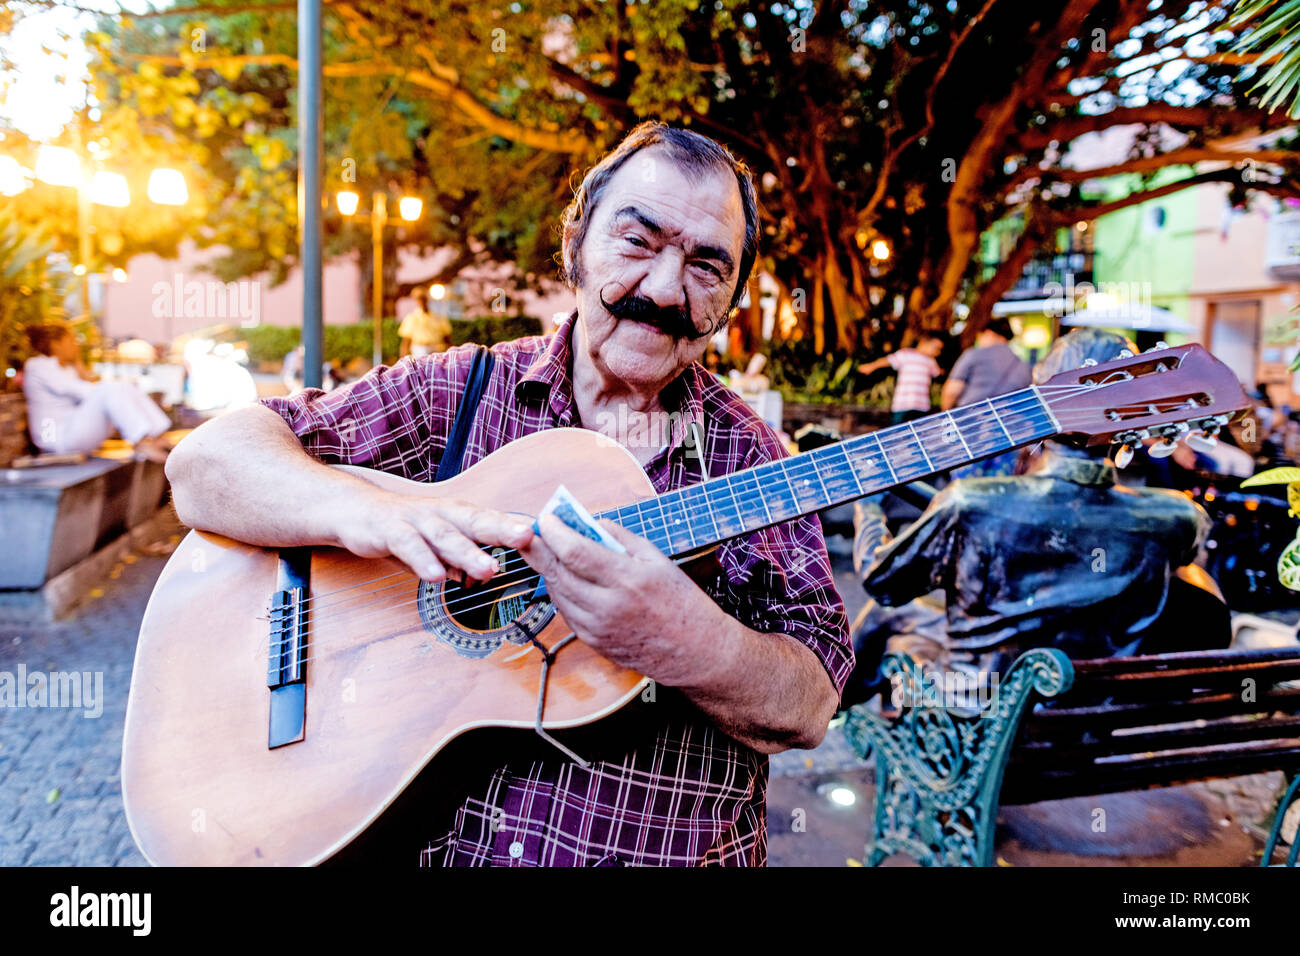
(553, 140)
(1178, 157)
(1193, 117)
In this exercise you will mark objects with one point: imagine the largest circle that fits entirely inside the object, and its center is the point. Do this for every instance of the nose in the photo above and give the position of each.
(663, 283)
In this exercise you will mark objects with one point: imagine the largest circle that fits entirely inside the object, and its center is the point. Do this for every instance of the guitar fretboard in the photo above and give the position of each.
(701, 515)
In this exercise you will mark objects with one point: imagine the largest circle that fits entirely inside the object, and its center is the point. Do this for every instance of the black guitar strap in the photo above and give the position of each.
(479, 373)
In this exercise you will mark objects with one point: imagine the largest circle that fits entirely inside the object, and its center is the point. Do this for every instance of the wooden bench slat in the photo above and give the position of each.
(1049, 722)
(1047, 754)
(1206, 660)
(1024, 785)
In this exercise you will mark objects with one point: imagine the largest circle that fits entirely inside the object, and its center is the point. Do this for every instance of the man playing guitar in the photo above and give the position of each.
(658, 244)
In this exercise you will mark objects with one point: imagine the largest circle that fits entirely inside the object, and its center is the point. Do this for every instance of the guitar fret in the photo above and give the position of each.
(702, 492)
(740, 483)
(781, 465)
(663, 524)
(844, 450)
(652, 523)
(998, 418)
(679, 522)
(741, 519)
(885, 458)
(925, 454)
(952, 421)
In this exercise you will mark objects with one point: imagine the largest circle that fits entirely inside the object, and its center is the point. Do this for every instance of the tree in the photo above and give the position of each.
(886, 136)
(1270, 28)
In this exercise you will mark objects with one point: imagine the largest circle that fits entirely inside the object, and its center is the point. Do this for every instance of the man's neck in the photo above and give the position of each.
(610, 406)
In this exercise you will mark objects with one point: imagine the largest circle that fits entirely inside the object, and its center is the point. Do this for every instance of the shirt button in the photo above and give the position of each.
(516, 849)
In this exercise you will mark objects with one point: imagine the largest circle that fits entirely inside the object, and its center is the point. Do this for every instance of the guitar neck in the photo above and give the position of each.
(699, 516)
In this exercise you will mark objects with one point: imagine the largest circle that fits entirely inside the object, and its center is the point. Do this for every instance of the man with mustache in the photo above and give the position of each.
(658, 243)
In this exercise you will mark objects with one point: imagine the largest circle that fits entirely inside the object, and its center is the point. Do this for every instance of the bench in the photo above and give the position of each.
(64, 525)
(1051, 728)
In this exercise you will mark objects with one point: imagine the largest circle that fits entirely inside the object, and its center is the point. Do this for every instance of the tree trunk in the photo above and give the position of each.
(818, 310)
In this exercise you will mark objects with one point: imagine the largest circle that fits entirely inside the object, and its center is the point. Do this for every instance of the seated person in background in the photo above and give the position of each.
(67, 411)
(1062, 557)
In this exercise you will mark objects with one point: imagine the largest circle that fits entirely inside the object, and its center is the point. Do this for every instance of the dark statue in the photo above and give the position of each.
(1060, 557)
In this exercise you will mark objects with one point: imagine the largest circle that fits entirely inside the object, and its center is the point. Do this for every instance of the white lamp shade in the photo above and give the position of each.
(167, 187)
(109, 189)
(58, 166)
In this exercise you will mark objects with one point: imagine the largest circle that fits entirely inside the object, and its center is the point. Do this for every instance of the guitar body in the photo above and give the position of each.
(384, 693)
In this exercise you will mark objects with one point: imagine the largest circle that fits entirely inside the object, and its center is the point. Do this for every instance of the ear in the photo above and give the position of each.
(566, 248)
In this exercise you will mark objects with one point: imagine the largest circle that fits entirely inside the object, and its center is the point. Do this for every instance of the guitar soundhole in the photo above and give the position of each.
(484, 606)
(475, 620)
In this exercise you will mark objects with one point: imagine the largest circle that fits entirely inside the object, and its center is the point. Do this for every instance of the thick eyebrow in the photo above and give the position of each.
(720, 256)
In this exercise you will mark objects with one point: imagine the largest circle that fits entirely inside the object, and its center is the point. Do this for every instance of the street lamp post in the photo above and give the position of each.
(410, 208)
(378, 219)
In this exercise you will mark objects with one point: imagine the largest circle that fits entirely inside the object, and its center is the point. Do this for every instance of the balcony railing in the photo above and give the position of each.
(1061, 268)
(1284, 245)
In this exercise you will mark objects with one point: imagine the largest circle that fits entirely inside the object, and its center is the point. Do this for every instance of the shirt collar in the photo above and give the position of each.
(551, 374)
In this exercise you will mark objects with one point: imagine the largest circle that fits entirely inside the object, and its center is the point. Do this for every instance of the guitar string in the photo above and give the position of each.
(737, 478)
(456, 605)
(477, 592)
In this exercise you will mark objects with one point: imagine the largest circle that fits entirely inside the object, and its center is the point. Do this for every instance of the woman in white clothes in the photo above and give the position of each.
(69, 412)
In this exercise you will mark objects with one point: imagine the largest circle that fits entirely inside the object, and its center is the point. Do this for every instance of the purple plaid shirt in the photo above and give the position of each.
(665, 786)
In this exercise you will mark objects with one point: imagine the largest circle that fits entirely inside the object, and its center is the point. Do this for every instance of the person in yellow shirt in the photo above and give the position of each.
(423, 333)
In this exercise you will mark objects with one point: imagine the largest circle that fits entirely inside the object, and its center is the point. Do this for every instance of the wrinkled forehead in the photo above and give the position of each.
(702, 203)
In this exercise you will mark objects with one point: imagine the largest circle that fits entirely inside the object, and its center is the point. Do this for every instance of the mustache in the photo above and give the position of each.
(674, 321)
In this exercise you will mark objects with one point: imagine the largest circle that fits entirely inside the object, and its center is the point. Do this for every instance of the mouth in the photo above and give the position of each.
(652, 326)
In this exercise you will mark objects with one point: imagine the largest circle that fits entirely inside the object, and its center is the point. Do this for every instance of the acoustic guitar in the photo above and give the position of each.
(282, 699)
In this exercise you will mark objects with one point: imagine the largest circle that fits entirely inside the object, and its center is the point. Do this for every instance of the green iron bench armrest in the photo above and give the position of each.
(939, 770)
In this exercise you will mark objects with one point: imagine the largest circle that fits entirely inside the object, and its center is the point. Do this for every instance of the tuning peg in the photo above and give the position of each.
(1163, 449)
(1124, 353)
(1123, 455)
(1202, 441)
(1159, 346)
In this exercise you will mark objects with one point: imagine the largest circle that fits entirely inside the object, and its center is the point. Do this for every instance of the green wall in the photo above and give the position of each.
(1131, 248)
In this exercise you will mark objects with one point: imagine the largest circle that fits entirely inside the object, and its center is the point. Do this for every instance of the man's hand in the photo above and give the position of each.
(430, 535)
(637, 609)
(640, 610)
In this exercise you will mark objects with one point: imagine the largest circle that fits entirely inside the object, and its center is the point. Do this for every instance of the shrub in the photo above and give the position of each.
(271, 343)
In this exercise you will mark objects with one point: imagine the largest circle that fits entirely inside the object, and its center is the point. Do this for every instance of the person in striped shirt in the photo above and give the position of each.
(916, 369)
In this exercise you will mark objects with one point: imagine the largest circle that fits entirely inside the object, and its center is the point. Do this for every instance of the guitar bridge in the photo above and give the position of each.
(286, 674)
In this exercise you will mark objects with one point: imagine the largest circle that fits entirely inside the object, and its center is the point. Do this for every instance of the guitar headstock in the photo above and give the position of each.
(1159, 394)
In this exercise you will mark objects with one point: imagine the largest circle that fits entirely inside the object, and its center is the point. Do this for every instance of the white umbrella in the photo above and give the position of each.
(1129, 315)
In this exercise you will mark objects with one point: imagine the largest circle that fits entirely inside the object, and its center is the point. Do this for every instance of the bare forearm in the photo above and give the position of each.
(766, 690)
(245, 475)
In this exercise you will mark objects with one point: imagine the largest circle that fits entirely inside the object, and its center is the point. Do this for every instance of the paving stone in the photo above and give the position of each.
(58, 748)
(15, 854)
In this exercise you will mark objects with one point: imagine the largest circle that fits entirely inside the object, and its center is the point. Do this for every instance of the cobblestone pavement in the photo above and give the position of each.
(60, 773)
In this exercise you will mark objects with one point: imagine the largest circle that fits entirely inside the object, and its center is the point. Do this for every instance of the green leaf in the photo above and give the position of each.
(1273, 476)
